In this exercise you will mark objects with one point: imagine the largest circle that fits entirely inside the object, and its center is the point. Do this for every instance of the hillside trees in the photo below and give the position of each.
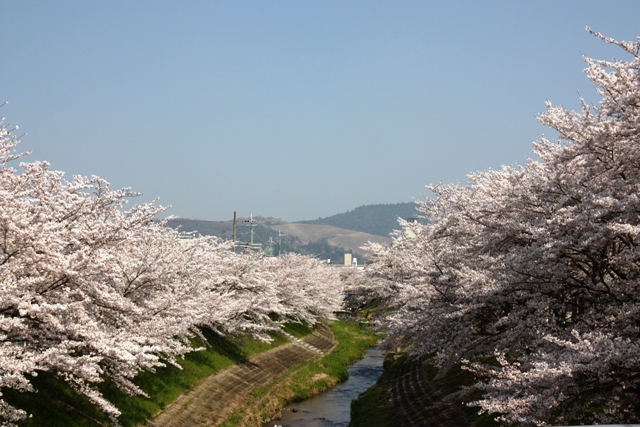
(536, 267)
(93, 292)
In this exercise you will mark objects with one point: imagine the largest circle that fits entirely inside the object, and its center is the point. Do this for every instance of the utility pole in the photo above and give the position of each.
(270, 246)
(245, 245)
(251, 225)
(280, 234)
(234, 231)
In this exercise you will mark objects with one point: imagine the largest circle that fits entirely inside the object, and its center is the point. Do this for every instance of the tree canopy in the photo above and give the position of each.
(529, 276)
(93, 292)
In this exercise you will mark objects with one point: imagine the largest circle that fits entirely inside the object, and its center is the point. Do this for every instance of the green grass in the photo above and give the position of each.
(298, 330)
(373, 407)
(232, 421)
(352, 341)
(258, 392)
(372, 309)
(168, 383)
(56, 405)
(313, 377)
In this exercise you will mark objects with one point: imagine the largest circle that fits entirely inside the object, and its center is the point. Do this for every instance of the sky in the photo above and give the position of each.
(293, 109)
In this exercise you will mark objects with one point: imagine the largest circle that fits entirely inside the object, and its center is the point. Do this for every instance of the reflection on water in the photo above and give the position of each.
(333, 408)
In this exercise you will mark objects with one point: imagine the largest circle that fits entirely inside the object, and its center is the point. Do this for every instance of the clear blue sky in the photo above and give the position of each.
(292, 109)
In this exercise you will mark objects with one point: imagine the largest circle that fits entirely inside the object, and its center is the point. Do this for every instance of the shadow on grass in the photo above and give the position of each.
(57, 405)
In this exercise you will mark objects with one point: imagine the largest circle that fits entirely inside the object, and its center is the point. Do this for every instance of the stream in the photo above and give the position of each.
(333, 408)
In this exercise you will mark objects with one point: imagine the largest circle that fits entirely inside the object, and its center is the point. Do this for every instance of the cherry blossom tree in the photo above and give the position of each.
(536, 267)
(93, 292)
(62, 304)
(307, 287)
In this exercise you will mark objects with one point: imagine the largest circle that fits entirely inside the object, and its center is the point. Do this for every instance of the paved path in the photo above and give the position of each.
(218, 396)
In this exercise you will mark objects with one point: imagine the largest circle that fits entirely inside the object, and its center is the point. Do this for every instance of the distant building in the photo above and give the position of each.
(347, 260)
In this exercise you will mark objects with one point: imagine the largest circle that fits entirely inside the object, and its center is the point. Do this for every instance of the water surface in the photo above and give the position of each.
(333, 408)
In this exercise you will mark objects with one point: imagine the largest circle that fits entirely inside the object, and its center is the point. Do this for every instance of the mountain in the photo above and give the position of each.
(277, 236)
(379, 219)
(328, 242)
(326, 238)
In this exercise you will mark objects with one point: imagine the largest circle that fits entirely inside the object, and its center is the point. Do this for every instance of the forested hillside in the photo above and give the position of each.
(379, 219)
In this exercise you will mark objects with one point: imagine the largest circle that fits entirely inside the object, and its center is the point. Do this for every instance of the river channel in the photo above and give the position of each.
(333, 408)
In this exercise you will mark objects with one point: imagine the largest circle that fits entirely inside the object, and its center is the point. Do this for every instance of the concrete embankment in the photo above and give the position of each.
(218, 396)
(420, 403)
(407, 396)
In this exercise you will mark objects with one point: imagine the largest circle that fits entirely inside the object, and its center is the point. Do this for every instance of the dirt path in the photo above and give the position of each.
(218, 396)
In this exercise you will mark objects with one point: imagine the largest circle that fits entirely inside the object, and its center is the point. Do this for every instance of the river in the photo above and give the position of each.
(333, 408)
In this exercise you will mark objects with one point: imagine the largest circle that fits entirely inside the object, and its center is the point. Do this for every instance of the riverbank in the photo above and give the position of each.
(333, 407)
(409, 394)
(57, 405)
(218, 396)
(307, 379)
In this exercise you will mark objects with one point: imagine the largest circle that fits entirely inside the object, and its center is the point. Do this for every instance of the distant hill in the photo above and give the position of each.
(277, 236)
(326, 238)
(318, 236)
(372, 219)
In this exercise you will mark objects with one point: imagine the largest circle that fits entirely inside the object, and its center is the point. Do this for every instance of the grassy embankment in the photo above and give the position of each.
(57, 405)
(307, 379)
